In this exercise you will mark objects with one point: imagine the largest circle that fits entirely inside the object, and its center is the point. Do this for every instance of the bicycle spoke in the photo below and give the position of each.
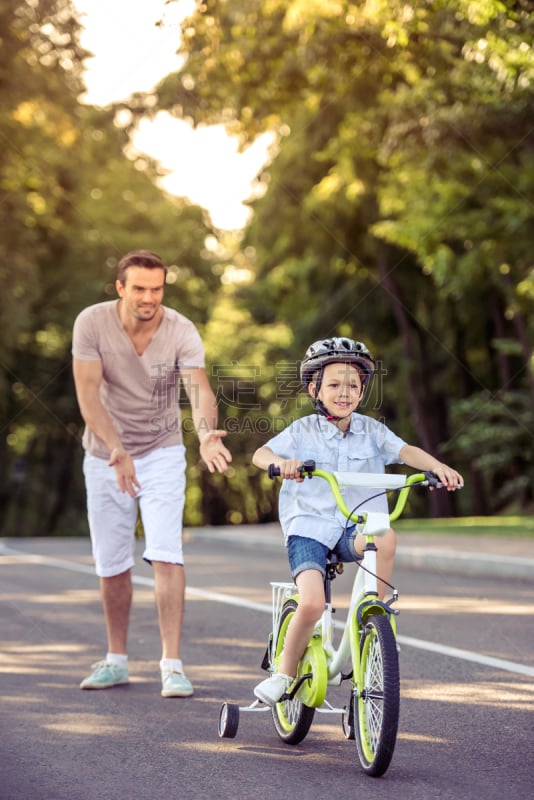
(378, 703)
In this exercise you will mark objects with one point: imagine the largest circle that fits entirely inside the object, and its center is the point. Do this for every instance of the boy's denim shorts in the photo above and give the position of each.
(305, 553)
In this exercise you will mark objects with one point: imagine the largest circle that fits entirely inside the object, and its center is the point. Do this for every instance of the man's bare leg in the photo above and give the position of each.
(169, 582)
(116, 593)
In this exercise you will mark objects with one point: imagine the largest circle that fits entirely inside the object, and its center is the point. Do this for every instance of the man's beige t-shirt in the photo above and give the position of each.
(140, 393)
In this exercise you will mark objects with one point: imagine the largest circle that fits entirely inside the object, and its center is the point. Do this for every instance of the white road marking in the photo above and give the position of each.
(228, 599)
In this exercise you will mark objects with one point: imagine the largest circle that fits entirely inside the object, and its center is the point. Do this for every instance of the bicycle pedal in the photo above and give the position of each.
(293, 689)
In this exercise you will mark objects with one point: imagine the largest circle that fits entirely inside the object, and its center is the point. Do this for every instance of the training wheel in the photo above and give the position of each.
(228, 720)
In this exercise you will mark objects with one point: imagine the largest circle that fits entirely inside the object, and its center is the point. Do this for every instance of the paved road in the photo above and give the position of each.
(463, 554)
(467, 726)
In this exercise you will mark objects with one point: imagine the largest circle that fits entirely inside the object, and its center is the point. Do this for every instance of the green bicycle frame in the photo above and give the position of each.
(402, 496)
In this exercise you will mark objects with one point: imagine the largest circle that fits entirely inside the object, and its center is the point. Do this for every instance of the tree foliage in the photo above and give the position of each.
(398, 204)
(397, 207)
(73, 203)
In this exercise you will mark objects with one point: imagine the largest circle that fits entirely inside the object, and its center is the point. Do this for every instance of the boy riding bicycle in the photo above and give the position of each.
(335, 372)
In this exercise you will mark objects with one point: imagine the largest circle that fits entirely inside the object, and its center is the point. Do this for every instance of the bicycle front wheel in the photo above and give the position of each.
(292, 719)
(377, 696)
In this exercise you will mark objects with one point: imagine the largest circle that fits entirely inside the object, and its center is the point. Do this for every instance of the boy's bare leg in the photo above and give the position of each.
(385, 558)
(300, 629)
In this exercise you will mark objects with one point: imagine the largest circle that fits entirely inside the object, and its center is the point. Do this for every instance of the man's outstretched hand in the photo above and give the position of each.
(213, 452)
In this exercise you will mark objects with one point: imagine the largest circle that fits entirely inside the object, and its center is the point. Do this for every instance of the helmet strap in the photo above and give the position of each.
(319, 405)
(321, 410)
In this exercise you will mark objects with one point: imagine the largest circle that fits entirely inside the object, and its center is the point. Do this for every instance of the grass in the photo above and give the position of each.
(513, 526)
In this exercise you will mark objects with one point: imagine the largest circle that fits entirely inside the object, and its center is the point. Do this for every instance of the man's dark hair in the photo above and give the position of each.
(139, 258)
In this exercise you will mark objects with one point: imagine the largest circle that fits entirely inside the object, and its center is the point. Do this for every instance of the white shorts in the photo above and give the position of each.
(113, 514)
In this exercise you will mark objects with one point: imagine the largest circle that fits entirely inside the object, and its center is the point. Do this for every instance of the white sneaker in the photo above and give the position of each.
(271, 689)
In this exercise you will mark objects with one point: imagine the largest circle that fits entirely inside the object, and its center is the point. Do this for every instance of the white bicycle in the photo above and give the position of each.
(367, 654)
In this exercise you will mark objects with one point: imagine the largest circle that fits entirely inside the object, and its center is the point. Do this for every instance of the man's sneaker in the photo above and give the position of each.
(175, 684)
(271, 689)
(105, 675)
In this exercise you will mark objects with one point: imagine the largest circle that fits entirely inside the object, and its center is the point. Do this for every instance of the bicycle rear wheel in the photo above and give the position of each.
(377, 696)
(292, 719)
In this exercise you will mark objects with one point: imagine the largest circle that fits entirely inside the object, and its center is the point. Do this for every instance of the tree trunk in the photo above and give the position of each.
(441, 503)
(64, 452)
(521, 332)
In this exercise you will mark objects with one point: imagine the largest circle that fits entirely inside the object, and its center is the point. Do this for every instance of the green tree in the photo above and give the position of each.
(74, 203)
(399, 195)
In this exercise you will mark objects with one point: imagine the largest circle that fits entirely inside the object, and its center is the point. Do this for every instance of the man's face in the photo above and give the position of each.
(341, 389)
(142, 293)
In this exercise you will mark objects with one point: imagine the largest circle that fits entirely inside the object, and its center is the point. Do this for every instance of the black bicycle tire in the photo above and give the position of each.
(228, 721)
(380, 698)
(292, 719)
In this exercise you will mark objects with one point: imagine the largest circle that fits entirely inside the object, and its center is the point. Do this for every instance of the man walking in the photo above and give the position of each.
(129, 356)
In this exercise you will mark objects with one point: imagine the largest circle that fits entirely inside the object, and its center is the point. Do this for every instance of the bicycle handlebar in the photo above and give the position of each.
(417, 479)
(308, 467)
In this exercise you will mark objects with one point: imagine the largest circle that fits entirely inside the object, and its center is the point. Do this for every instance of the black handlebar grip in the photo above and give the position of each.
(433, 480)
(307, 467)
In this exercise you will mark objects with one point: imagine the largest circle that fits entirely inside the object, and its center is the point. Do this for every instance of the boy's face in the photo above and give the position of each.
(341, 389)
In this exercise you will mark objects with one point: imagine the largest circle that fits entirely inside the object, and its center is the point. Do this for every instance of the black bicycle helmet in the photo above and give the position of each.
(337, 350)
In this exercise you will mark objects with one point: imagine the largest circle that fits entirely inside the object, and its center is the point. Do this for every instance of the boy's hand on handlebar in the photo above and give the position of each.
(289, 470)
(449, 477)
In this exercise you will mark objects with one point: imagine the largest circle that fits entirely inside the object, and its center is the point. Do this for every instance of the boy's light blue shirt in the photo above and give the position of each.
(308, 509)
